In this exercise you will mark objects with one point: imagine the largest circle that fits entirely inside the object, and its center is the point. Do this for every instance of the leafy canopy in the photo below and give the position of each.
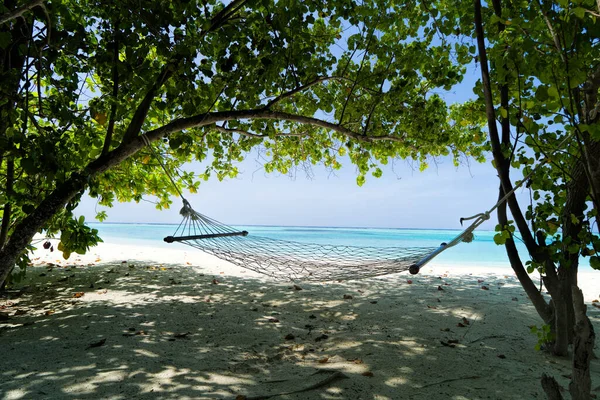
(305, 82)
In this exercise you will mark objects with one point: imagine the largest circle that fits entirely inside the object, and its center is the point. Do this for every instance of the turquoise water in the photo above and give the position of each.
(481, 252)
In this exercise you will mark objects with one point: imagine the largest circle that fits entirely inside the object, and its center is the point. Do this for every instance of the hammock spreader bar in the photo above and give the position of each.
(171, 239)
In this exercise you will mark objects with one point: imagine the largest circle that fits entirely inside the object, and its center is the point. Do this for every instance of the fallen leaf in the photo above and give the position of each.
(368, 373)
(289, 336)
(323, 360)
(273, 320)
(409, 282)
(348, 297)
(78, 295)
(432, 307)
(357, 361)
(215, 282)
(480, 281)
(296, 287)
(181, 335)
(485, 288)
(97, 344)
(49, 312)
(595, 301)
(322, 337)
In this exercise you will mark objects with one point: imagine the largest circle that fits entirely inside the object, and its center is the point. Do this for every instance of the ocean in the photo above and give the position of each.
(481, 252)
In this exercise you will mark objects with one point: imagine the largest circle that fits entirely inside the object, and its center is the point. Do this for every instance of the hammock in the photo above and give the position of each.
(282, 259)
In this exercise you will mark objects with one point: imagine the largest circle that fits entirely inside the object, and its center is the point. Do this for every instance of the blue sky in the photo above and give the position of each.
(402, 198)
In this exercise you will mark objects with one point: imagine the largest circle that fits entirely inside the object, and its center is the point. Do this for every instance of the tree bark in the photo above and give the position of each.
(583, 345)
(551, 388)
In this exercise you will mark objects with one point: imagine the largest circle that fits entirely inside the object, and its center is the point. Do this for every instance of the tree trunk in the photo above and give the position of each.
(583, 345)
(26, 229)
(551, 388)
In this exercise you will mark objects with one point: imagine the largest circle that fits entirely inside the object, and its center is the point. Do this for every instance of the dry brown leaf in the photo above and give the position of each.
(409, 282)
(49, 312)
(78, 295)
(323, 360)
(368, 373)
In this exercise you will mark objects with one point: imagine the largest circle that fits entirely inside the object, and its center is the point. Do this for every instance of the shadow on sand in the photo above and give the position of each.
(120, 331)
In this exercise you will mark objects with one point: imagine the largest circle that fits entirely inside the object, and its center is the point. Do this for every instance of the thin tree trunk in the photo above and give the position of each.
(551, 388)
(7, 212)
(583, 345)
(503, 167)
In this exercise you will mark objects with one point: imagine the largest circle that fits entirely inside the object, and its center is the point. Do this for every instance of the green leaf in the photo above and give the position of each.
(579, 12)
(5, 40)
(595, 262)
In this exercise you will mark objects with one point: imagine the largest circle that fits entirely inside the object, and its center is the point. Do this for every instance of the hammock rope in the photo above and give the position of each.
(297, 261)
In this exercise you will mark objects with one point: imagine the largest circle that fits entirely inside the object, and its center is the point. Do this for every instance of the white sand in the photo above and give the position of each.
(178, 324)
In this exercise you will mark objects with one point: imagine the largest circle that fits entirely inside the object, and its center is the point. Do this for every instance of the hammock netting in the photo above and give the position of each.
(296, 261)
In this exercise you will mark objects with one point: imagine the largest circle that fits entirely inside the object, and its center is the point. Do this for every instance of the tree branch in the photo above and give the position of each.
(553, 34)
(16, 13)
(502, 165)
(301, 88)
(115, 93)
(254, 135)
(125, 150)
(7, 213)
(135, 126)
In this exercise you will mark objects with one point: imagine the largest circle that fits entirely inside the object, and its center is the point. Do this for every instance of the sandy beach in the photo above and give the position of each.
(135, 322)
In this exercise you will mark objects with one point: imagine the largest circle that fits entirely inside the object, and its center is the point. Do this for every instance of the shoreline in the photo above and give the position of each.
(589, 280)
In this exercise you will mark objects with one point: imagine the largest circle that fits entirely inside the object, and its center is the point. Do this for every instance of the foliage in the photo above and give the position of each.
(544, 335)
(303, 82)
(545, 54)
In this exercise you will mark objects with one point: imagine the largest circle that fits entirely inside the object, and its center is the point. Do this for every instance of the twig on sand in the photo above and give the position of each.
(333, 377)
(462, 378)
(487, 337)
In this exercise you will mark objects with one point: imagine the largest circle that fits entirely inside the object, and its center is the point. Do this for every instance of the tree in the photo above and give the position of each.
(86, 84)
(539, 91)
